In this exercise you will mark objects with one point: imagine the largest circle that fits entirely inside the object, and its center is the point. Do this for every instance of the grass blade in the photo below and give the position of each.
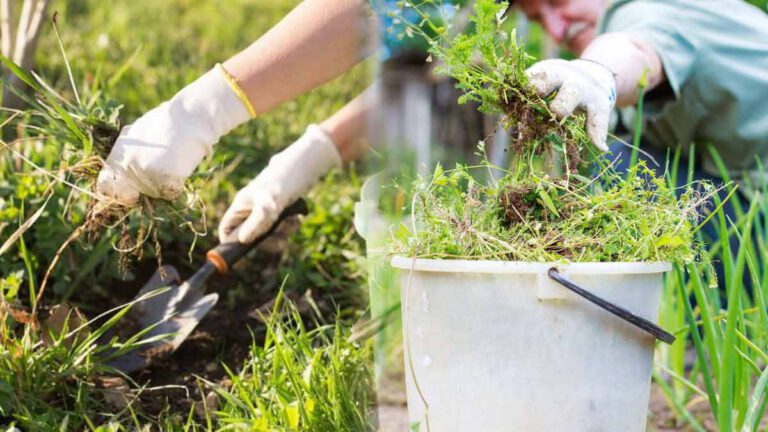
(752, 418)
(25, 226)
(697, 342)
(19, 72)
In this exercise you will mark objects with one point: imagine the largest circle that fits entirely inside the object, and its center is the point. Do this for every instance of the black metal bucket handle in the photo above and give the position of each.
(658, 332)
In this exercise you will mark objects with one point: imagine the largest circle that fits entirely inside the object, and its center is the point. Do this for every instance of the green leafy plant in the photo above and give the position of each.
(52, 364)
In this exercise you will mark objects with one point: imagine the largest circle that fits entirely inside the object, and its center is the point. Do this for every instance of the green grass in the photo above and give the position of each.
(49, 366)
(458, 217)
(299, 379)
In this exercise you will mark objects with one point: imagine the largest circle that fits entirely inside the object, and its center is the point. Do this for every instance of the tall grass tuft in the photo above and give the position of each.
(725, 321)
(301, 379)
(52, 364)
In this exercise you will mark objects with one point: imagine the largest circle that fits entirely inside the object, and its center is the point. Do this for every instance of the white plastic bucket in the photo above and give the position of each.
(494, 346)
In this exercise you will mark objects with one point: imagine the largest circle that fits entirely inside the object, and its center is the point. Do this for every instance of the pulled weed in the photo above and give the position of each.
(78, 135)
(488, 63)
(544, 207)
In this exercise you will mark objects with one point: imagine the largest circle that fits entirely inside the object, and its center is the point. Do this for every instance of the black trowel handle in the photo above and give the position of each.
(225, 255)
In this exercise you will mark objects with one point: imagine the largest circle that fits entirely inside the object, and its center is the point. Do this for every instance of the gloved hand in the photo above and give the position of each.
(288, 176)
(154, 155)
(579, 84)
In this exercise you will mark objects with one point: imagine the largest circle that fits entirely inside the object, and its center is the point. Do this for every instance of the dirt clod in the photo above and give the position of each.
(516, 203)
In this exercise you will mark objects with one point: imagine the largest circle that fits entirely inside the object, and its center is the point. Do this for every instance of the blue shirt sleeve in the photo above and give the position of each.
(659, 24)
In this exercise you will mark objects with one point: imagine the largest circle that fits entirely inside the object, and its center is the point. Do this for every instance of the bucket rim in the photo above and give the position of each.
(526, 267)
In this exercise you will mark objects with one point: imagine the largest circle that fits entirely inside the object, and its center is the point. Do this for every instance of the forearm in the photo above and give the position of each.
(347, 126)
(314, 43)
(628, 58)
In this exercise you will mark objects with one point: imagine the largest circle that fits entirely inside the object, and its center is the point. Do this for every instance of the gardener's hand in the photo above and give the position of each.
(154, 155)
(579, 84)
(288, 176)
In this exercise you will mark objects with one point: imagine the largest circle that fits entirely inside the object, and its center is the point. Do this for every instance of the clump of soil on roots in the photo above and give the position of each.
(517, 203)
(530, 127)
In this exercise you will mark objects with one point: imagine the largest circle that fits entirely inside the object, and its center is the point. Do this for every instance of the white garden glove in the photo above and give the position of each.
(579, 84)
(154, 155)
(288, 176)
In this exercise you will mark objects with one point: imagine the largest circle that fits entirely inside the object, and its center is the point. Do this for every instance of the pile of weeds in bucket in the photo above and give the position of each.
(546, 205)
(457, 216)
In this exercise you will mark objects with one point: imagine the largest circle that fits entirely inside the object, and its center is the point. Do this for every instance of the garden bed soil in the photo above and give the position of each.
(174, 382)
(661, 418)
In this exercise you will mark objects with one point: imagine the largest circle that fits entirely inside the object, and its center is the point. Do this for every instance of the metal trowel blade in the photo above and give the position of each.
(171, 315)
(157, 305)
(176, 329)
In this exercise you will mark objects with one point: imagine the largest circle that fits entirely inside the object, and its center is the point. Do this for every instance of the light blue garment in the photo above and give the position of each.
(715, 56)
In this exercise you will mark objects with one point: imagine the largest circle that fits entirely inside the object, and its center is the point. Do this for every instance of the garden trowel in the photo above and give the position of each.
(171, 314)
